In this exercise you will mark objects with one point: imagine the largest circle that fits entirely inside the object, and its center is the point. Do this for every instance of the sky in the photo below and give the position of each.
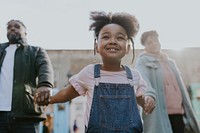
(64, 24)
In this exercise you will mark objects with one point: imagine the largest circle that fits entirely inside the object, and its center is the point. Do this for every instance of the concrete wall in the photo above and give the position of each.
(69, 62)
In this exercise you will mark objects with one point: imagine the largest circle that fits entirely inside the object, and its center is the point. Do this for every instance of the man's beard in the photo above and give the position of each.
(14, 38)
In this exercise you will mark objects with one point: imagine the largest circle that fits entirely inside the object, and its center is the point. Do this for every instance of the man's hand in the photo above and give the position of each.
(42, 95)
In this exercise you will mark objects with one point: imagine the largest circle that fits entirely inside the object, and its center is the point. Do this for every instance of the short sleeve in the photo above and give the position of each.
(139, 83)
(84, 80)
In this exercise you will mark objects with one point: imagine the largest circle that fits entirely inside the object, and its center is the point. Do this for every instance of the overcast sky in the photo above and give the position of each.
(63, 24)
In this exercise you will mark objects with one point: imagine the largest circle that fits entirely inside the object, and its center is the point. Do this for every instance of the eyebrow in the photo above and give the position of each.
(118, 33)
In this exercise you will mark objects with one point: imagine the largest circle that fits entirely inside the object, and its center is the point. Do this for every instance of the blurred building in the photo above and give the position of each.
(69, 62)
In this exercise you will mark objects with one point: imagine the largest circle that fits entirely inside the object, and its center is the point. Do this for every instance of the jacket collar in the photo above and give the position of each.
(152, 57)
(21, 43)
(149, 57)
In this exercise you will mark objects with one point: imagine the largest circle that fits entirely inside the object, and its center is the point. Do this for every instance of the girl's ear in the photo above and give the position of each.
(128, 48)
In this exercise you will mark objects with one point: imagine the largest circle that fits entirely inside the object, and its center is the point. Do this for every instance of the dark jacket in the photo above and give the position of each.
(32, 69)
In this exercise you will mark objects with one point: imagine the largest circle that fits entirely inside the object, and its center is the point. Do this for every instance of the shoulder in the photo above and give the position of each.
(36, 50)
(3, 45)
(30, 47)
(171, 60)
(135, 72)
(146, 57)
(84, 76)
(88, 68)
(87, 71)
(34, 47)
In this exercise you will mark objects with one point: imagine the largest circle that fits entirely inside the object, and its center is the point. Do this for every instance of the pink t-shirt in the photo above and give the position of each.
(84, 83)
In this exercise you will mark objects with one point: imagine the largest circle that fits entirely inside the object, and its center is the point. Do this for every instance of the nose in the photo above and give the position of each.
(113, 41)
(12, 28)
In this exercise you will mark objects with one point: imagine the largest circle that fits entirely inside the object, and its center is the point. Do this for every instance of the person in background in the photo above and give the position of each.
(173, 105)
(111, 88)
(24, 70)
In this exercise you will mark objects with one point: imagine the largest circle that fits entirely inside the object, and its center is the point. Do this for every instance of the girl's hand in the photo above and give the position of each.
(149, 104)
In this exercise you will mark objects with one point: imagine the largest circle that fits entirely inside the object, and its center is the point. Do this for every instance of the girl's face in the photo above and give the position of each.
(152, 45)
(112, 43)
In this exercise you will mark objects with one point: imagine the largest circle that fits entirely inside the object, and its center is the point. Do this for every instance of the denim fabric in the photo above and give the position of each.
(114, 108)
(10, 124)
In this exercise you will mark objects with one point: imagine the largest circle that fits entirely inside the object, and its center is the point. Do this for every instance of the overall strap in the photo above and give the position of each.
(129, 75)
(128, 72)
(97, 73)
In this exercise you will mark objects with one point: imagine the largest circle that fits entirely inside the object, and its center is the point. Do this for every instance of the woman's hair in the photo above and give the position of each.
(126, 20)
(146, 34)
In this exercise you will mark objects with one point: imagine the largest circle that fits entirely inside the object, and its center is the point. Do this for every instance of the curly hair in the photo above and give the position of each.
(127, 21)
(146, 34)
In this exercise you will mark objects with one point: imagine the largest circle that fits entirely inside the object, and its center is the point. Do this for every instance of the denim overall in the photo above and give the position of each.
(114, 108)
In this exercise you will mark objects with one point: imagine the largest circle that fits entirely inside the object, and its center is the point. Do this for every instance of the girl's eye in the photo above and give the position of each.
(105, 37)
(120, 38)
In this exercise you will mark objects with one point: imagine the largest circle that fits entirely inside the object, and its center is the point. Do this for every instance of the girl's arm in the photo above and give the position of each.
(64, 95)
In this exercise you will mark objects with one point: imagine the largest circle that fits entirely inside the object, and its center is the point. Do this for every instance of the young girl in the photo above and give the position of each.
(112, 89)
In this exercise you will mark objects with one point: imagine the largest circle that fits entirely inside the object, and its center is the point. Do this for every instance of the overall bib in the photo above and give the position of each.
(114, 108)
